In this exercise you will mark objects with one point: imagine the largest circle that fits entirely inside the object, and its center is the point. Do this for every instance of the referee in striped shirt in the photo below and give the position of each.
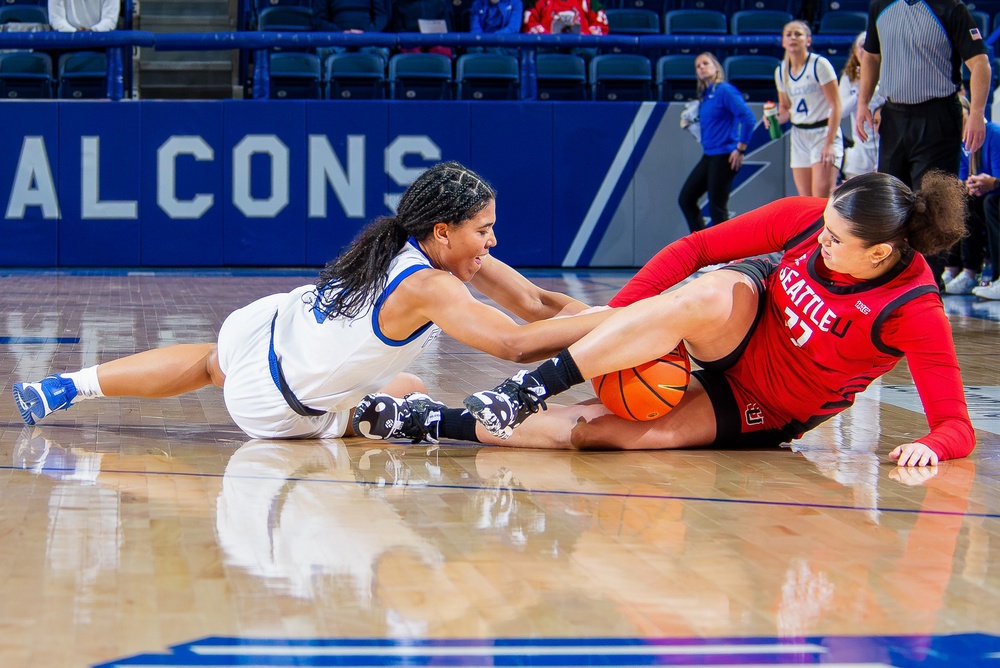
(914, 51)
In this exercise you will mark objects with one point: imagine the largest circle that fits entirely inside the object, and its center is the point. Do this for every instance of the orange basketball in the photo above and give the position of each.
(647, 391)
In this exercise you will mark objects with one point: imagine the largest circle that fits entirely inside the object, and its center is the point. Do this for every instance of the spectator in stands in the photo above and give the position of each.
(862, 156)
(352, 16)
(355, 16)
(965, 260)
(808, 95)
(991, 216)
(565, 16)
(921, 126)
(406, 16)
(726, 126)
(495, 17)
(84, 15)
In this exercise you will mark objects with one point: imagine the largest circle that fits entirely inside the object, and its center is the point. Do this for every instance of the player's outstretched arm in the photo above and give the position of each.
(447, 302)
(520, 296)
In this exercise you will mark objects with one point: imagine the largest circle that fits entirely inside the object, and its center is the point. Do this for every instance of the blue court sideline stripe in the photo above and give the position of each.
(38, 340)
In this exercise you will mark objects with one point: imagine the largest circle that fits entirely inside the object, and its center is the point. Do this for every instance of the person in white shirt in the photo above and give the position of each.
(84, 15)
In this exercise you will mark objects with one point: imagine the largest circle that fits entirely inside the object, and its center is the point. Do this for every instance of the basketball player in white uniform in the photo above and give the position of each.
(294, 365)
(809, 96)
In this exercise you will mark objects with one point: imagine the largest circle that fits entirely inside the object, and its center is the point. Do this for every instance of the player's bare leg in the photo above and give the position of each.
(591, 426)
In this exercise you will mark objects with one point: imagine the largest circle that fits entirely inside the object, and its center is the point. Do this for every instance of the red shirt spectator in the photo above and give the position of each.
(540, 18)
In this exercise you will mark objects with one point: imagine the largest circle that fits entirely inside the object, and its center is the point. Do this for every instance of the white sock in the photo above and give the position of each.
(87, 385)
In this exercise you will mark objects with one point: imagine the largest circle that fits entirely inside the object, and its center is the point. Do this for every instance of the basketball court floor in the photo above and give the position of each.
(153, 533)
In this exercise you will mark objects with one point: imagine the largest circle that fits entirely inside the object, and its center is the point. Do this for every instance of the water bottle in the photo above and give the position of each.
(771, 112)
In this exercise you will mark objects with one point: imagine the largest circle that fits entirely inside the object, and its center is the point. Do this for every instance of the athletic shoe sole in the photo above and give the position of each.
(24, 403)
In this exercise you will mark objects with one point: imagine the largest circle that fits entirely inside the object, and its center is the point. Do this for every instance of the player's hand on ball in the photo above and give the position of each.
(913, 454)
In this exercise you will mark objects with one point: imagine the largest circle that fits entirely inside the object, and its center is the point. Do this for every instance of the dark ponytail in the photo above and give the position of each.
(445, 193)
(882, 209)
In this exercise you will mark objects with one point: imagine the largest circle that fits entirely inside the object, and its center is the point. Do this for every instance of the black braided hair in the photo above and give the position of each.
(446, 193)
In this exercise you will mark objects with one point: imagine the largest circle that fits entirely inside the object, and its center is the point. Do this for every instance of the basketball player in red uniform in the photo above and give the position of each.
(783, 346)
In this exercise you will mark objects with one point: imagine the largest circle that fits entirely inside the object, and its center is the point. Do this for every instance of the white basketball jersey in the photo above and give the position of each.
(805, 90)
(330, 364)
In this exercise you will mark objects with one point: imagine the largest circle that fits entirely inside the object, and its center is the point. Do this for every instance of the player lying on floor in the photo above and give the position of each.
(782, 347)
(294, 365)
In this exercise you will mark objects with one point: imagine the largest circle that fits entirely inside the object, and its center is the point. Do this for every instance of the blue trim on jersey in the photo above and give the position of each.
(406, 273)
(416, 244)
(804, 68)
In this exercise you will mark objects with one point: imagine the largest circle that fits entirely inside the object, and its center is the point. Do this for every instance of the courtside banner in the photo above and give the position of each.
(290, 182)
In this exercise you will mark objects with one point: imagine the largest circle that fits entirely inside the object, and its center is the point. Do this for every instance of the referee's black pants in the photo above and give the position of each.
(917, 138)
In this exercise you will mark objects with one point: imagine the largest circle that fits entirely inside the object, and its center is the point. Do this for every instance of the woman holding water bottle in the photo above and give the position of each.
(808, 96)
(726, 127)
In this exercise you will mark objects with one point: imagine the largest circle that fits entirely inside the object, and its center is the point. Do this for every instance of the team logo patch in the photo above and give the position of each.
(975, 34)
(753, 414)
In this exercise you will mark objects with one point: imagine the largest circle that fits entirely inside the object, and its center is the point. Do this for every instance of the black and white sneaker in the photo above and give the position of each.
(508, 404)
(381, 417)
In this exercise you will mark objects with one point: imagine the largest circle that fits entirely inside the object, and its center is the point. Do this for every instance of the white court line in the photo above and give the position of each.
(505, 650)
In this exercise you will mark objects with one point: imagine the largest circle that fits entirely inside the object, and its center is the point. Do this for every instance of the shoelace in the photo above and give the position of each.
(524, 397)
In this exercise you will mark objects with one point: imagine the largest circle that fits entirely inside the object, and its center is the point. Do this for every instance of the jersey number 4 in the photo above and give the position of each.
(802, 107)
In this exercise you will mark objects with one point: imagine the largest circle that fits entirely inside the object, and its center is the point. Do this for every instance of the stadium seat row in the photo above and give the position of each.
(29, 75)
(488, 76)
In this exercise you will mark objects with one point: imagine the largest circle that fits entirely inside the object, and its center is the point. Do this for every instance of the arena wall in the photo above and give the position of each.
(288, 183)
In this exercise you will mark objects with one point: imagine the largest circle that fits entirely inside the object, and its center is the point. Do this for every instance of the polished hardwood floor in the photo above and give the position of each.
(153, 533)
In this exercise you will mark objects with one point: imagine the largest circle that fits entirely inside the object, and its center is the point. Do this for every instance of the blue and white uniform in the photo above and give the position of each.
(329, 364)
(809, 109)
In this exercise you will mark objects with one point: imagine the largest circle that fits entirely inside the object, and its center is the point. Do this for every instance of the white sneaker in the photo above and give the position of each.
(991, 291)
(961, 285)
(947, 275)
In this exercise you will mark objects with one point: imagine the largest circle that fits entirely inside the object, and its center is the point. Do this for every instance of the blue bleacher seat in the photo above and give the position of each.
(23, 14)
(561, 76)
(658, 6)
(842, 22)
(25, 74)
(694, 22)
(295, 76)
(675, 78)
(285, 18)
(753, 76)
(723, 6)
(775, 5)
(487, 76)
(842, 5)
(982, 20)
(620, 76)
(420, 76)
(991, 7)
(83, 75)
(354, 76)
(633, 22)
(761, 22)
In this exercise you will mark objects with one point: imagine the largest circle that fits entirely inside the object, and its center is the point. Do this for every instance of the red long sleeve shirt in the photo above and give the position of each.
(824, 336)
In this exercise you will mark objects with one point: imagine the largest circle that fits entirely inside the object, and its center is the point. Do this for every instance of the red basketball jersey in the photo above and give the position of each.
(818, 342)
